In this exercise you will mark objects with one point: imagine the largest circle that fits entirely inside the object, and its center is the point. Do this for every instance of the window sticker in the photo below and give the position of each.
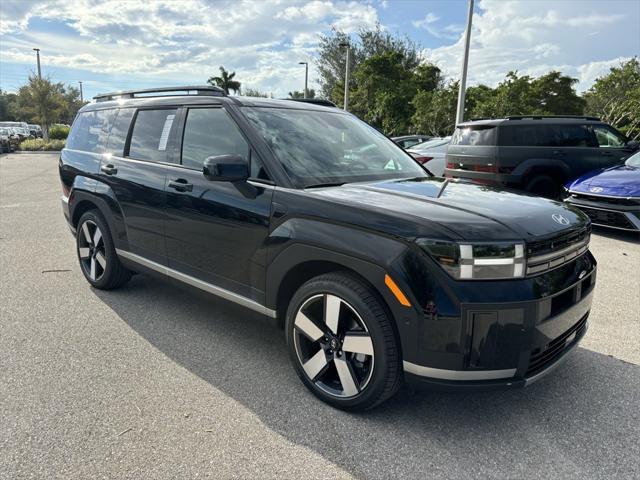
(164, 137)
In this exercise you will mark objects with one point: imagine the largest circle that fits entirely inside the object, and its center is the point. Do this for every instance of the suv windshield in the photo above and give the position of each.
(322, 148)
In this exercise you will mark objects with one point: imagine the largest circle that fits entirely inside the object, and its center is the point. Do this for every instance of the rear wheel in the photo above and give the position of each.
(342, 342)
(96, 253)
(543, 186)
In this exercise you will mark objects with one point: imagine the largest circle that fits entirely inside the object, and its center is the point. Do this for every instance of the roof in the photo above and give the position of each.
(531, 120)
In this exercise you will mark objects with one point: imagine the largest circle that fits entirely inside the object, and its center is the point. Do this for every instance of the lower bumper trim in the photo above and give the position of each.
(462, 375)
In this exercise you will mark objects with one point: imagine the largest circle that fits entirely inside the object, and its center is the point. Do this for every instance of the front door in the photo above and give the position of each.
(216, 231)
(612, 146)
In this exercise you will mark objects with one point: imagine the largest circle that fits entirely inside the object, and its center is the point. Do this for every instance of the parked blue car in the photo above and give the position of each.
(611, 197)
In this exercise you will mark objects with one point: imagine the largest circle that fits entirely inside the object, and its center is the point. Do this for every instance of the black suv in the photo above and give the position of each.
(378, 271)
(537, 154)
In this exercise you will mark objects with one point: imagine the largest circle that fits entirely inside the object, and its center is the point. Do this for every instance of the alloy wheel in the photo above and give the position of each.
(91, 250)
(333, 345)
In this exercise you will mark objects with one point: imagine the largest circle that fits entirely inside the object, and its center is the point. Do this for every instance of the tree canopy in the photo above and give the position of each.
(225, 81)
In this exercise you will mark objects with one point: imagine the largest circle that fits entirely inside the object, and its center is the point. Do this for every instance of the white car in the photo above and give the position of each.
(431, 154)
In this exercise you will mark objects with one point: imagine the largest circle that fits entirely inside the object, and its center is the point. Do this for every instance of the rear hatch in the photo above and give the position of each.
(472, 153)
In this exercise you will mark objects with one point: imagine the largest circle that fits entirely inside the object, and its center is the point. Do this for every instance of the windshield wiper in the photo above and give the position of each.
(319, 185)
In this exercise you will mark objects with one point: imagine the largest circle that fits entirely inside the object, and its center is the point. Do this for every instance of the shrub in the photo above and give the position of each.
(38, 144)
(58, 132)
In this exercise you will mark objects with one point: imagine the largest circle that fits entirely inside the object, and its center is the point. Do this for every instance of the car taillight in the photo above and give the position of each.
(450, 165)
(486, 168)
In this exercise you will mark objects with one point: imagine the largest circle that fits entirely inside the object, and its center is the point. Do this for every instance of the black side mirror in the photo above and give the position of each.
(226, 168)
(632, 145)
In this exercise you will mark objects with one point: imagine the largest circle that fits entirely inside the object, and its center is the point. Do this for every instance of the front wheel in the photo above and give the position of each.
(342, 342)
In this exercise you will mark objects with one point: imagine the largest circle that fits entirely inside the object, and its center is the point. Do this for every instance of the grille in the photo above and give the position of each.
(605, 217)
(546, 355)
(545, 255)
(609, 200)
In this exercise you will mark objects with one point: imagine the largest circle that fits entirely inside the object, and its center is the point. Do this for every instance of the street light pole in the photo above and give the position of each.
(346, 78)
(37, 50)
(81, 97)
(306, 77)
(465, 63)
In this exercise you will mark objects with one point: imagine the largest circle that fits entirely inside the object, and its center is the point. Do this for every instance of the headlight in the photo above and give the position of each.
(478, 261)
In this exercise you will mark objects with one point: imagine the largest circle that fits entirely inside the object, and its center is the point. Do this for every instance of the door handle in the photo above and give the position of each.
(109, 169)
(606, 153)
(181, 185)
(559, 153)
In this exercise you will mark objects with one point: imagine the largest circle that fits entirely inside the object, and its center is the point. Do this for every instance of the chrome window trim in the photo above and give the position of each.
(202, 285)
(459, 375)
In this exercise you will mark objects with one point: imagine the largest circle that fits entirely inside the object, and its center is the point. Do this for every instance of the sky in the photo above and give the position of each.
(123, 44)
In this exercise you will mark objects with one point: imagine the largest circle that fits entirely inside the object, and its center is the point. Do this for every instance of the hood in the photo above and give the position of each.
(619, 181)
(470, 212)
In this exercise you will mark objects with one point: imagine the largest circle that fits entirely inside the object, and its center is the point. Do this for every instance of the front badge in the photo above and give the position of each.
(558, 218)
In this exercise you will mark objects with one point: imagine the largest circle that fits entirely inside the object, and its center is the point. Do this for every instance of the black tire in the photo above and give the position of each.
(543, 186)
(375, 377)
(98, 259)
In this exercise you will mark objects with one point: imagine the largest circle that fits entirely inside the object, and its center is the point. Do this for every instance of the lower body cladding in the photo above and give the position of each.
(509, 343)
(607, 212)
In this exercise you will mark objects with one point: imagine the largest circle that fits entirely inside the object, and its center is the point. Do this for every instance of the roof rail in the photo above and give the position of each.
(538, 117)
(148, 92)
(315, 101)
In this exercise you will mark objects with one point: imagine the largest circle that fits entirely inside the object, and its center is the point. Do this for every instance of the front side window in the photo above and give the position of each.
(210, 132)
(608, 138)
(90, 130)
(318, 147)
(151, 134)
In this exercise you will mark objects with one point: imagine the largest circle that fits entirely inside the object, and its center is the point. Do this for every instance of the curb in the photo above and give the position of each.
(33, 152)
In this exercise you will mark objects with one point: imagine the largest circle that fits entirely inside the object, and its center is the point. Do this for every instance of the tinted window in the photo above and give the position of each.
(476, 135)
(209, 132)
(546, 136)
(151, 134)
(608, 138)
(319, 147)
(119, 131)
(90, 130)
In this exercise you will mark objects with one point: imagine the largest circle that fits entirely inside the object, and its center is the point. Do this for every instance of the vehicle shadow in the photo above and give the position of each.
(582, 421)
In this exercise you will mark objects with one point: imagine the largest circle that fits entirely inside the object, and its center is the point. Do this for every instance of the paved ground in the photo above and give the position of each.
(157, 382)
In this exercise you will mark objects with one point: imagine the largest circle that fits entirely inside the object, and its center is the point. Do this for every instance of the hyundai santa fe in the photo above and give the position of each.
(378, 272)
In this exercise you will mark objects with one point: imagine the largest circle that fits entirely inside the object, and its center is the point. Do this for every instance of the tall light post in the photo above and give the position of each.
(306, 77)
(37, 50)
(346, 77)
(81, 97)
(465, 63)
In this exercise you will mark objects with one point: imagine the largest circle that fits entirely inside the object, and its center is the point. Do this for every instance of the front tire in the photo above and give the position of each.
(342, 342)
(97, 255)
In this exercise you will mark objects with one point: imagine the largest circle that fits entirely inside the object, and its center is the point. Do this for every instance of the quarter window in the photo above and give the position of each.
(608, 138)
(476, 135)
(152, 132)
(119, 131)
(91, 130)
(209, 132)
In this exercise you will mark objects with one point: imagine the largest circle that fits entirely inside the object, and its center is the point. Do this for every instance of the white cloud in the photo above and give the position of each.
(536, 36)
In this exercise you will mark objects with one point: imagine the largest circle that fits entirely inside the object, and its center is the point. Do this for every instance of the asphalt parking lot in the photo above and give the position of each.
(152, 381)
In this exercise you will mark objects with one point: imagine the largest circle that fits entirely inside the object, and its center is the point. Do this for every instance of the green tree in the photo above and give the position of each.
(72, 103)
(225, 81)
(615, 98)
(435, 111)
(254, 92)
(8, 106)
(300, 94)
(41, 102)
(555, 94)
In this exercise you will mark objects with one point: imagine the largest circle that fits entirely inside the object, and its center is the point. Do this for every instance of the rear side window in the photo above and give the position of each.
(209, 132)
(151, 134)
(480, 135)
(119, 131)
(546, 136)
(91, 130)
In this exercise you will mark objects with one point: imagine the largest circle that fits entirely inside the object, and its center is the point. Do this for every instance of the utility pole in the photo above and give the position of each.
(81, 97)
(465, 63)
(306, 77)
(346, 78)
(37, 50)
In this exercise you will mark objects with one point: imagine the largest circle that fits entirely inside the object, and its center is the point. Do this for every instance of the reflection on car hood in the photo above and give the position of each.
(620, 181)
(473, 212)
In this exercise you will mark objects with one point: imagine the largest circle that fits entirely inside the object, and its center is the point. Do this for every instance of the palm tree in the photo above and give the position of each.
(225, 81)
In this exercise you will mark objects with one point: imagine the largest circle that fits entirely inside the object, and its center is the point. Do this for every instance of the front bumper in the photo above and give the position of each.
(502, 334)
(611, 212)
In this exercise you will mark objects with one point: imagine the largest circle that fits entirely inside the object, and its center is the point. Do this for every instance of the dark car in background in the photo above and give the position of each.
(611, 197)
(35, 130)
(408, 141)
(536, 154)
(8, 140)
(377, 271)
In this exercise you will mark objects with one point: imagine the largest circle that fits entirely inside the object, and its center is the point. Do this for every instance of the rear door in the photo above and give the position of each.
(217, 231)
(139, 150)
